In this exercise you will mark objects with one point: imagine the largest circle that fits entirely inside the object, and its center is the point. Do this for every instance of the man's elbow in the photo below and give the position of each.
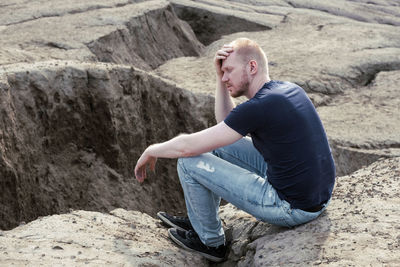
(183, 147)
(187, 153)
(186, 148)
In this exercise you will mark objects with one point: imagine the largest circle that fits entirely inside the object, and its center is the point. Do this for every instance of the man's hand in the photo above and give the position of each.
(186, 145)
(141, 165)
(223, 101)
(222, 54)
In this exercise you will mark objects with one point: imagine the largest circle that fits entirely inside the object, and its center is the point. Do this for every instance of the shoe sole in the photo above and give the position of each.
(168, 222)
(205, 255)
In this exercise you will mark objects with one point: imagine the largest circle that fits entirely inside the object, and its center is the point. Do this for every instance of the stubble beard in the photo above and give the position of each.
(243, 86)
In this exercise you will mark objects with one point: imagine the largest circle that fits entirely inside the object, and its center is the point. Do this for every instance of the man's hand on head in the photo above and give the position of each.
(221, 55)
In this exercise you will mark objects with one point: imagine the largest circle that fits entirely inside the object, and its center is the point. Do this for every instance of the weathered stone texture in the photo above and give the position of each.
(121, 238)
(72, 128)
(358, 229)
(145, 34)
(72, 132)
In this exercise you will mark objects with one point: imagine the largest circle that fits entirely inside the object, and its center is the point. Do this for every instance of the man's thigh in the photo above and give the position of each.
(246, 190)
(243, 154)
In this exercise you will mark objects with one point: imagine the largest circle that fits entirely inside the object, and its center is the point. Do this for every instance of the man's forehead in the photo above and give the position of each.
(229, 61)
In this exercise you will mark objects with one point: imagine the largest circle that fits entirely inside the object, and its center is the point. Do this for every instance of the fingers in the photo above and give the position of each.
(153, 165)
(143, 173)
(141, 166)
(140, 173)
(228, 47)
(220, 56)
(224, 52)
(140, 169)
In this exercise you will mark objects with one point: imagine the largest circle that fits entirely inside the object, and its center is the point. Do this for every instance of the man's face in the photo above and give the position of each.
(235, 75)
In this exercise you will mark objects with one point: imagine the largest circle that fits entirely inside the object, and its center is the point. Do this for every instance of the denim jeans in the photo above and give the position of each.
(237, 173)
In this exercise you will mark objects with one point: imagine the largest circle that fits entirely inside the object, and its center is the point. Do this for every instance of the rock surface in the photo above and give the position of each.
(72, 126)
(120, 238)
(359, 228)
(71, 134)
(364, 124)
(145, 34)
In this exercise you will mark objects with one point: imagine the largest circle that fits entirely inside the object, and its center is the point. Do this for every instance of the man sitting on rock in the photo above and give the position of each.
(284, 174)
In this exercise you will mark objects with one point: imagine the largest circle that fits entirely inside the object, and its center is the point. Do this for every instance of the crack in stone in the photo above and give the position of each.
(375, 147)
(71, 12)
(343, 13)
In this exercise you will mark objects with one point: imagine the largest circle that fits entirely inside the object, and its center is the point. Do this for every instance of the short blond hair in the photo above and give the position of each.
(250, 50)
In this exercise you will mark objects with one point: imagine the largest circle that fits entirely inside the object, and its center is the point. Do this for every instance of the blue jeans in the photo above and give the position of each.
(237, 173)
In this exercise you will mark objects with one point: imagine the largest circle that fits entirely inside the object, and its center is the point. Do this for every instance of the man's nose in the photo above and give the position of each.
(225, 77)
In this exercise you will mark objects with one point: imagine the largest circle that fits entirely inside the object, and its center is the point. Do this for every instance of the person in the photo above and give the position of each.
(282, 174)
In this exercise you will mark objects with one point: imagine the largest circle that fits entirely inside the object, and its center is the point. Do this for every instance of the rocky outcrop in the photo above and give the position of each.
(359, 227)
(210, 23)
(71, 134)
(369, 126)
(144, 34)
(72, 128)
(148, 40)
(120, 238)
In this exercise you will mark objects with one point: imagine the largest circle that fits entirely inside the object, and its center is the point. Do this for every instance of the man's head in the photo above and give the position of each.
(244, 68)
(249, 50)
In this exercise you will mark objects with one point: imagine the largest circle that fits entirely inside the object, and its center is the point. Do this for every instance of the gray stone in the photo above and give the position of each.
(142, 34)
(358, 228)
(363, 125)
(54, 240)
(72, 128)
(72, 132)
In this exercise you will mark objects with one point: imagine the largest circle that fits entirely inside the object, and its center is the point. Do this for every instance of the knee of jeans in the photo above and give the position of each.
(180, 164)
(184, 170)
(183, 164)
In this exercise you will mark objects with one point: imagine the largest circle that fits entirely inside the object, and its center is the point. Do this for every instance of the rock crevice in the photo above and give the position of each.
(148, 41)
(78, 130)
(72, 127)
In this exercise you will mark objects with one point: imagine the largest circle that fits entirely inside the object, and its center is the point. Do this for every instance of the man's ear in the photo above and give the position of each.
(253, 67)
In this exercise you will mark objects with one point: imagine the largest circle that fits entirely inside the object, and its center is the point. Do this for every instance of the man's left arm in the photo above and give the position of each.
(186, 145)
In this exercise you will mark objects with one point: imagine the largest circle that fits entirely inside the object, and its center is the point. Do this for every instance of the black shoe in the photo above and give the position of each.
(181, 223)
(190, 240)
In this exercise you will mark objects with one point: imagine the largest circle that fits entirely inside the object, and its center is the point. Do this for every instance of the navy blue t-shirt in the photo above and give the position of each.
(286, 129)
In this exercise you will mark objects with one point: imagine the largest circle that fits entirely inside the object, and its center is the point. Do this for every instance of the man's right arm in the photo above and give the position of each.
(223, 101)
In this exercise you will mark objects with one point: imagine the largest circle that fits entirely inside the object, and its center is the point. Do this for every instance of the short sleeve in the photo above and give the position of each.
(244, 118)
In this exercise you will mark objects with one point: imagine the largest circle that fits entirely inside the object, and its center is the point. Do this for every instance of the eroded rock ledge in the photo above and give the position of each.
(144, 34)
(359, 228)
(71, 134)
(120, 238)
(70, 131)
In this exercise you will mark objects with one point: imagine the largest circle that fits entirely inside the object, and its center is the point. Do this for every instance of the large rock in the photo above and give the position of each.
(359, 227)
(142, 34)
(71, 131)
(71, 134)
(364, 124)
(84, 238)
